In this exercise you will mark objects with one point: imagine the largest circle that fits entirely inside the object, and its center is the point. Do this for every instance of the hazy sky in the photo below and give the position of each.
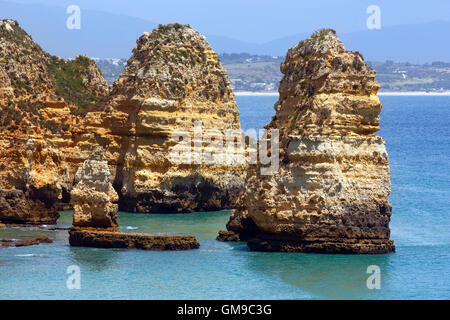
(265, 20)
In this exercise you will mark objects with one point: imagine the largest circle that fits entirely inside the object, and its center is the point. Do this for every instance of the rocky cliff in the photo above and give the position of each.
(172, 79)
(55, 112)
(330, 194)
(41, 98)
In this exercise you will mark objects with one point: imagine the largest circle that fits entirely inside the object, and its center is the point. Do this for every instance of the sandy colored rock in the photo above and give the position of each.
(34, 206)
(172, 79)
(41, 98)
(55, 112)
(330, 194)
(93, 198)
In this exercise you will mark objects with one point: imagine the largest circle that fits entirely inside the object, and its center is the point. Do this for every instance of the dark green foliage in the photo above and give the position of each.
(21, 38)
(321, 34)
(11, 116)
(167, 27)
(67, 78)
(18, 83)
(358, 64)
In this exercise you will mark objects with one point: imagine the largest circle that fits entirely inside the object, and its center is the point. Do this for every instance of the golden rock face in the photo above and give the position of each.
(54, 113)
(172, 79)
(36, 124)
(93, 197)
(331, 191)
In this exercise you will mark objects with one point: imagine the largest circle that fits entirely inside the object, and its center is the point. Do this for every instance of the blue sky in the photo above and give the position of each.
(264, 20)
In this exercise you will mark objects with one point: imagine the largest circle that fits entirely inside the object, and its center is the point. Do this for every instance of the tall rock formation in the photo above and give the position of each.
(41, 98)
(330, 194)
(55, 112)
(93, 197)
(172, 80)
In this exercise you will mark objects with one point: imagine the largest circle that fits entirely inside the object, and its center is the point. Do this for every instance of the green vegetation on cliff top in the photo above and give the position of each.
(66, 76)
(67, 79)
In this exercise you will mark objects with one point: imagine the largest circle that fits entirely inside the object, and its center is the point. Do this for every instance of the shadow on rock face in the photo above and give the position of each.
(32, 206)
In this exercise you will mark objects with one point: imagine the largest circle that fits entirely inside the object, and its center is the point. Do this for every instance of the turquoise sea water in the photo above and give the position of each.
(417, 131)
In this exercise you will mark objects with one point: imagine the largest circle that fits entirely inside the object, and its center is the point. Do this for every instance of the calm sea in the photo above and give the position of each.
(417, 131)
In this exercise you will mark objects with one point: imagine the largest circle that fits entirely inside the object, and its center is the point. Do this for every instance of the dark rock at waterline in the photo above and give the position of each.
(95, 214)
(33, 206)
(103, 238)
(345, 246)
(193, 197)
(24, 242)
(55, 228)
(240, 227)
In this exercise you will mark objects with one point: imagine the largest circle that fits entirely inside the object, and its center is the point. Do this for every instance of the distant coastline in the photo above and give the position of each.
(413, 93)
(381, 93)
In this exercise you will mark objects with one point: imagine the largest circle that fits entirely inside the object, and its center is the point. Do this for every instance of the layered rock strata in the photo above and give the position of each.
(55, 112)
(95, 214)
(41, 98)
(93, 197)
(172, 80)
(330, 194)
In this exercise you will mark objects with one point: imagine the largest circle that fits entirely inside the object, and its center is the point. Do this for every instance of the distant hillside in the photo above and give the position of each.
(108, 35)
(258, 73)
(252, 72)
(47, 25)
(111, 68)
(418, 43)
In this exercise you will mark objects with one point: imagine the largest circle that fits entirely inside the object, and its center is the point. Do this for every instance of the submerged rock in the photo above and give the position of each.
(24, 242)
(330, 194)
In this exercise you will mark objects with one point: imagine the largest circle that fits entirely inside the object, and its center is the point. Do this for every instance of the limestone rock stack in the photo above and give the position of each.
(330, 194)
(172, 80)
(41, 97)
(93, 197)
